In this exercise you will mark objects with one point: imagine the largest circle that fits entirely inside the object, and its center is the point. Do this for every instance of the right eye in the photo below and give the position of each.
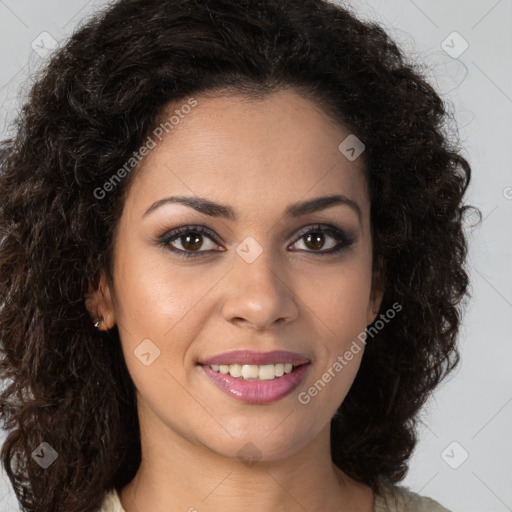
(190, 238)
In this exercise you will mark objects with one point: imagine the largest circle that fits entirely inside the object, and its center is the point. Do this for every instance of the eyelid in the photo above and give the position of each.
(317, 225)
(173, 232)
(185, 228)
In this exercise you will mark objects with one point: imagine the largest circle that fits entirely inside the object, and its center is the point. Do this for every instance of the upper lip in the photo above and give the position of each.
(256, 358)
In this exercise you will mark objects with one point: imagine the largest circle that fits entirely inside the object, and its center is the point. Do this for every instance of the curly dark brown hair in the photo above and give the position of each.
(93, 105)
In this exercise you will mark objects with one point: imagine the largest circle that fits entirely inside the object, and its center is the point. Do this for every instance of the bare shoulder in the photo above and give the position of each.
(398, 498)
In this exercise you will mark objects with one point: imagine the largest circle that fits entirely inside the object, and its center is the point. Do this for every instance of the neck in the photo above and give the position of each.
(177, 474)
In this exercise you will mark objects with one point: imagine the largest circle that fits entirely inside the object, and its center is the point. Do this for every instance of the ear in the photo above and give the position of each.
(377, 292)
(99, 304)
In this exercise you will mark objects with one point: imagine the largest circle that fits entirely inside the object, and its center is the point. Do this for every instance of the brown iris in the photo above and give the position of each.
(192, 242)
(315, 241)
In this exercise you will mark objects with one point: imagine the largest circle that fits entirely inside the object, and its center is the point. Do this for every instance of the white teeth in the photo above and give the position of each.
(254, 371)
(250, 371)
(267, 372)
(235, 370)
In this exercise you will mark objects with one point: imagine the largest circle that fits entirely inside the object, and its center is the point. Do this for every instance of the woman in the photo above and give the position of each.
(232, 259)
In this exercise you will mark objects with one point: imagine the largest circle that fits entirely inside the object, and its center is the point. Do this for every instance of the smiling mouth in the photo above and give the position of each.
(254, 371)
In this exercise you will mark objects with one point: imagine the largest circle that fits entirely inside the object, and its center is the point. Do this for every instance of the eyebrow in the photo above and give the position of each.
(295, 210)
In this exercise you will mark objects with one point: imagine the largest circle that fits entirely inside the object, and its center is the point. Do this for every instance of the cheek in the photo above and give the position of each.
(158, 301)
(338, 312)
(157, 314)
(153, 296)
(339, 297)
(337, 303)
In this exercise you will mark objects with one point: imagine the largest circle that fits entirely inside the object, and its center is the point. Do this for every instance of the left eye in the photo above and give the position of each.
(315, 238)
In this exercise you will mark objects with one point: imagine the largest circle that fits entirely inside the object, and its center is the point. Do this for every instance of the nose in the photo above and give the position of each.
(259, 294)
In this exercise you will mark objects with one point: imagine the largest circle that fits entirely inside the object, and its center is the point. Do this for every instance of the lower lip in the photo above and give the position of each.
(257, 391)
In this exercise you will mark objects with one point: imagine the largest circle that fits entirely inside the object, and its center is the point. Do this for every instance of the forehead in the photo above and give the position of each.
(249, 153)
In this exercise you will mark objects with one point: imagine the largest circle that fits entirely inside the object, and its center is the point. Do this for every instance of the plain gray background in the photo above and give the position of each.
(464, 457)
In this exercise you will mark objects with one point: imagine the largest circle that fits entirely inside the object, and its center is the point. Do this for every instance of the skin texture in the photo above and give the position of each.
(257, 156)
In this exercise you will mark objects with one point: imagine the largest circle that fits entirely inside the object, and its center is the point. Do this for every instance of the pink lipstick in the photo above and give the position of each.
(256, 377)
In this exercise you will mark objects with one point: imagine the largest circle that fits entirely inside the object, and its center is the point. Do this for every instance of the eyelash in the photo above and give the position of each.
(344, 239)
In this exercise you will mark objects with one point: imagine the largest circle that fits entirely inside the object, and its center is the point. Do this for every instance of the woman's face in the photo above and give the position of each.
(261, 279)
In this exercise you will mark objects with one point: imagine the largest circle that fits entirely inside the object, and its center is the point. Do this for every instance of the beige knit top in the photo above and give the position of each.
(390, 498)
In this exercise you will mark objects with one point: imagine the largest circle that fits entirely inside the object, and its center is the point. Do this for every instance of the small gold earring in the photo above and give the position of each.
(98, 323)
